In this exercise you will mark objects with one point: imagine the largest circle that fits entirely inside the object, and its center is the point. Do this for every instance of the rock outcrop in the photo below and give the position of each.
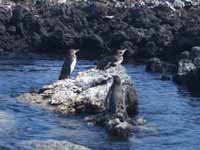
(188, 69)
(155, 65)
(86, 94)
(192, 81)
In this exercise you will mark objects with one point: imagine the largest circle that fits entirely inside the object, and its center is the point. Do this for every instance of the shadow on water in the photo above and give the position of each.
(172, 115)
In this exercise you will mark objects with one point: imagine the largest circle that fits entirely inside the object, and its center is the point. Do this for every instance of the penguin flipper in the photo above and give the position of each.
(65, 71)
(107, 100)
(108, 65)
(103, 65)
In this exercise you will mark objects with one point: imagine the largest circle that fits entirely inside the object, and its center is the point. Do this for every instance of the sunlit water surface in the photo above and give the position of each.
(172, 115)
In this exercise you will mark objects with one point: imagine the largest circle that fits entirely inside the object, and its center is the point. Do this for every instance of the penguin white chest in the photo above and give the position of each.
(73, 65)
(120, 61)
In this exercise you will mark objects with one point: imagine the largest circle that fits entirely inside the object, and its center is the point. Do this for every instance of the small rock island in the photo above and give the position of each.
(86, 94)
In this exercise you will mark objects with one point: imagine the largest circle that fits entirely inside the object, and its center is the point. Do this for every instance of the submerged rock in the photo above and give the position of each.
(192, 81)
(53, 145)
(185, 66)
(155, 65)
(165, 77)
(115, 125)
(119, 128)
(195, 52)
(84, 94)
(188, 70)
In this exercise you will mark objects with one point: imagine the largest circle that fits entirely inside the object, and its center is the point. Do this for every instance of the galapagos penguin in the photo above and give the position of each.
(112, 60)
(115, 99)
(69, 64)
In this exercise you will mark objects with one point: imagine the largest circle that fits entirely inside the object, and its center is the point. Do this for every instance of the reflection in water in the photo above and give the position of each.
(172, 115)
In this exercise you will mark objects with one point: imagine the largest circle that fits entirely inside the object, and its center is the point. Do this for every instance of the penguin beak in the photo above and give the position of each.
(122, 51)
(77, 50)
(125, 49)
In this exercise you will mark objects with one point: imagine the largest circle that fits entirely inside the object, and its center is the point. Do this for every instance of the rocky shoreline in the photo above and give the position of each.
(165, 30)
(97, 28)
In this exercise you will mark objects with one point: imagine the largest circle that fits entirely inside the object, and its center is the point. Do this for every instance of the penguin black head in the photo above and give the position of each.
(116, 80)
(73, 51)
(121, 52)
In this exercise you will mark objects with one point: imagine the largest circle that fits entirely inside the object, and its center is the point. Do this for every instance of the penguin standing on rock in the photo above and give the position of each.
(115, 100)
(69, 64)
(112, 60)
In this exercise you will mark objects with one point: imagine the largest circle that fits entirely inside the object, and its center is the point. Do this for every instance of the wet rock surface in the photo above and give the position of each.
(188, 70)
(155, 65)
(115, 125)
(192, 80)
(86, 94)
